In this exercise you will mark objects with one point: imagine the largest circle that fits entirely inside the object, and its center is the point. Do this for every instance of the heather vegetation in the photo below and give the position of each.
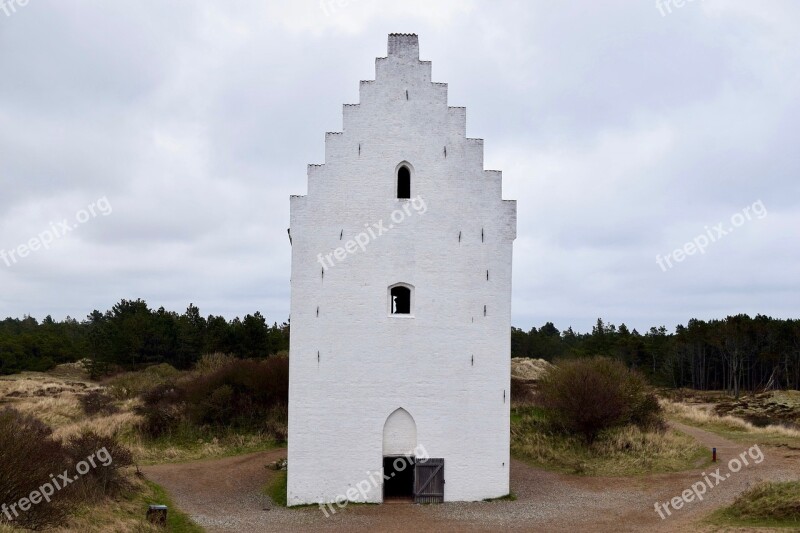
(241, 395)
(30, 456)
(221, 406)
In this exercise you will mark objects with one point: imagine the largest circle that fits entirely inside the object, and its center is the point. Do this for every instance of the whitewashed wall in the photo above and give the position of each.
(351, 364)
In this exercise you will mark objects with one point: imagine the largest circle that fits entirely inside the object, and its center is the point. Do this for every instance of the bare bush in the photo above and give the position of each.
(106, 477)
(242, 394)
(276, 423)
(98, 402)
(522, 392)
(162, 409)
(28, 457)
(588, 396)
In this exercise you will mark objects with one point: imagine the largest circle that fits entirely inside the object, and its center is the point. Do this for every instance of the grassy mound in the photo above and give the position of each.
(767, 504)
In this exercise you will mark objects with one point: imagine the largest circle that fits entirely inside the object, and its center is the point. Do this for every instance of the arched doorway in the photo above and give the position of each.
(399, 443)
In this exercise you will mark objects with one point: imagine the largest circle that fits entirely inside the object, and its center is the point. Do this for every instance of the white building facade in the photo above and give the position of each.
(401, 302)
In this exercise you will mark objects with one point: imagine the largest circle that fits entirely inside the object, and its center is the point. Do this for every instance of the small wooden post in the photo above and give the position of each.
(157, 514)
(713, 455)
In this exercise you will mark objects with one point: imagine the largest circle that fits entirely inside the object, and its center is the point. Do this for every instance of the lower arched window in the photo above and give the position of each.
(401, 296)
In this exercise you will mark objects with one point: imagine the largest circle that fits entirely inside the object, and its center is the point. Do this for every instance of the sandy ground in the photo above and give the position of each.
(224, 495)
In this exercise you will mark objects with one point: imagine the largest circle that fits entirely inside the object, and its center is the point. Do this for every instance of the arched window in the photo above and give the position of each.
(403, 182)
(399, 433)
(401, 299)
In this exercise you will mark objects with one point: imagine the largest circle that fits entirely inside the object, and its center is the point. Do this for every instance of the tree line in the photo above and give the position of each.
(733, 354)
(131, 335)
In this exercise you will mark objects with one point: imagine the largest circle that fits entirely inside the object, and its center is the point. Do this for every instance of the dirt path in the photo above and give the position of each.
(225, 495)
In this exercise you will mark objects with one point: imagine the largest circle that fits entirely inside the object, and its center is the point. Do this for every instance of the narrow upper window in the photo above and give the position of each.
(400, 299)
(403, 182)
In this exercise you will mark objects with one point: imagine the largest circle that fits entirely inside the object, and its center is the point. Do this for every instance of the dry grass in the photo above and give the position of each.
(127, 514)
(54, 411)
(528, 369)
(622, 452)
(730, 426)
(184, 447)
(55, 402)
(52, 400)
(116, 425)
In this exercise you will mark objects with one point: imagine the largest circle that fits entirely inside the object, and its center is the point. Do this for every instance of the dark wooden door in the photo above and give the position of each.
(429, 481)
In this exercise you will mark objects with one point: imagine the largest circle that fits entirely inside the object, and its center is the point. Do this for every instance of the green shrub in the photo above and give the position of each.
(588, 396)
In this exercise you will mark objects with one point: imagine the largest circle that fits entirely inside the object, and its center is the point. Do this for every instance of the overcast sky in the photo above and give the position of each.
(169, 136)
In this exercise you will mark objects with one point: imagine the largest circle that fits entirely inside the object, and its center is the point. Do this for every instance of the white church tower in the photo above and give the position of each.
(401, 303)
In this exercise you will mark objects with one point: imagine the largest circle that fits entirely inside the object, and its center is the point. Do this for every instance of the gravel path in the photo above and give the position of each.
(224, 495)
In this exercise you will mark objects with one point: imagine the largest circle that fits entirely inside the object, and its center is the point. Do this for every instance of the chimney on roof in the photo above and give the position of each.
(404, 45)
